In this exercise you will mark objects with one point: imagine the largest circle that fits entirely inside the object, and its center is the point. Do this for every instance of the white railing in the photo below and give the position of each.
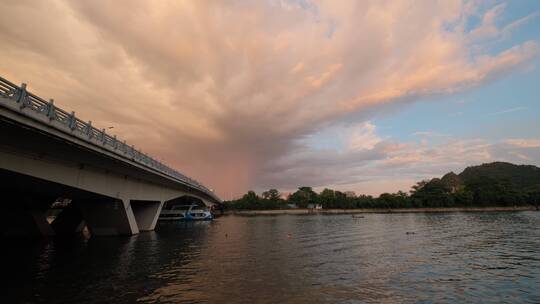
(86, 131)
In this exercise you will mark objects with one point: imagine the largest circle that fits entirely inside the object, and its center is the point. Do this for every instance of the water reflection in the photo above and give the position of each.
(382, 258)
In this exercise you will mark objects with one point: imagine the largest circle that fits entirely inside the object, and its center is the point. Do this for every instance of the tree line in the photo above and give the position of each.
(495, 184)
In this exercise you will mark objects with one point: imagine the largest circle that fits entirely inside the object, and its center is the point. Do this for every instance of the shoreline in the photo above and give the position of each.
(378, 210)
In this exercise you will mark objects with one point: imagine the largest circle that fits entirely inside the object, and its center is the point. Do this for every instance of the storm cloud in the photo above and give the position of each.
(230, 92)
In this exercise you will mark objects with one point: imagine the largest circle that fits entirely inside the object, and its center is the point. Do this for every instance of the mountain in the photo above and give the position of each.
(519, 176)
(452, 182)
(496, 183)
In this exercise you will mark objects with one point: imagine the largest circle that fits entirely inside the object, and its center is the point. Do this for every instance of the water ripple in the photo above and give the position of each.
(381, 258)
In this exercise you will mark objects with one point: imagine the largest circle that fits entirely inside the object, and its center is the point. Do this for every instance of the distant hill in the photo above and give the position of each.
(519, 176)
(496, 183)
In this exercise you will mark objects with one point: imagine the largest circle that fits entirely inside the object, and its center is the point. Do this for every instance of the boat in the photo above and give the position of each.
(191, 212)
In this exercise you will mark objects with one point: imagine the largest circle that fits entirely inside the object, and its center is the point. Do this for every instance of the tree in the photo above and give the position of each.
(364, 201)
(432, 194)
(419, 186)
(303, 196)
(272, 200)
(341, 200)
(272, 194)
(248, 201)
(327, 198)
(250, 197)
(393, 200)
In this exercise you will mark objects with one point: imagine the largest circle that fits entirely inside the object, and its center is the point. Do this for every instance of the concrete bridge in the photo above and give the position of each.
(46, 153)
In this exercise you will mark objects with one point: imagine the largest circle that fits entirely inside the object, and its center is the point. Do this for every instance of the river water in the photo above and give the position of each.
(380, 258)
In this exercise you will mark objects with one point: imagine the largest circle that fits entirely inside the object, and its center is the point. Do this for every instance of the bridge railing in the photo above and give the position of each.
(86, 131)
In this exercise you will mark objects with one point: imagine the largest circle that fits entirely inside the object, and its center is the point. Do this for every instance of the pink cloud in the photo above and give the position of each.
(523, 142)
(224, 91)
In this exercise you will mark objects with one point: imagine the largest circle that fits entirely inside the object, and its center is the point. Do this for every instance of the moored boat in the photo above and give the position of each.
(191, 212)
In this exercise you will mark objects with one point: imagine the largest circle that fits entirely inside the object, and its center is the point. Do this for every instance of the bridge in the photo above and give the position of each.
(47, 153)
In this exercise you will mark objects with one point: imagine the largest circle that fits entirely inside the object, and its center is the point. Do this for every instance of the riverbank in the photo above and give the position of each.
(379, 210)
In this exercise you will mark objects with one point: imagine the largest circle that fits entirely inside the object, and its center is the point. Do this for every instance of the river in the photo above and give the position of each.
(379, 258)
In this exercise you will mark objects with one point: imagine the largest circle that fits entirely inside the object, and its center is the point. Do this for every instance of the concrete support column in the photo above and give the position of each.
(69, 221)
(146, 213)
(25, 217)
(109, 217)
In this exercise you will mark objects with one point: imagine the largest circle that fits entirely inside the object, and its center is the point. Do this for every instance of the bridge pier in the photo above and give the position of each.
(69, 221)
(146, 213)
(104, 218)
(25, 217)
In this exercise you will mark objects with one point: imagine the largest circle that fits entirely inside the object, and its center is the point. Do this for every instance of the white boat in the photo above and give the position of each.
(191, 212)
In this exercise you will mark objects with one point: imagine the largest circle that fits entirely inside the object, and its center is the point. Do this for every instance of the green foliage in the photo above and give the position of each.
(520, 176)
(272, 194)
(495, 184)
(270, 199)
(333, 199)
(433, 194)
(393, 200)
(303, 197)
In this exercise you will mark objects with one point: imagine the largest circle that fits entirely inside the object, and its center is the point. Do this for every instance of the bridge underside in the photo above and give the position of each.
(109, 195)
(25, 201)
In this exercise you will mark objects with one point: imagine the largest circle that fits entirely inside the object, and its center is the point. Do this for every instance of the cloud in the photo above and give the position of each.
(507, 111)
(488, 28)
(227, 91)
(363, 137)
(523, 142)
(429, 134)
(392, 166)
(508, 29)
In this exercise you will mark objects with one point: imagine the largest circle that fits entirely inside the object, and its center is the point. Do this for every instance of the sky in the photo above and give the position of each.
(366, 96)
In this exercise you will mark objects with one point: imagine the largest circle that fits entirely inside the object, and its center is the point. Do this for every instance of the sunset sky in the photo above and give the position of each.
(368, 96)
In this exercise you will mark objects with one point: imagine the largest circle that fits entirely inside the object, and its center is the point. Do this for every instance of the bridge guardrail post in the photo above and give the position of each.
(89, 129)
(22, 93)
(102, 136)
(51, 110)
(72, 122)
